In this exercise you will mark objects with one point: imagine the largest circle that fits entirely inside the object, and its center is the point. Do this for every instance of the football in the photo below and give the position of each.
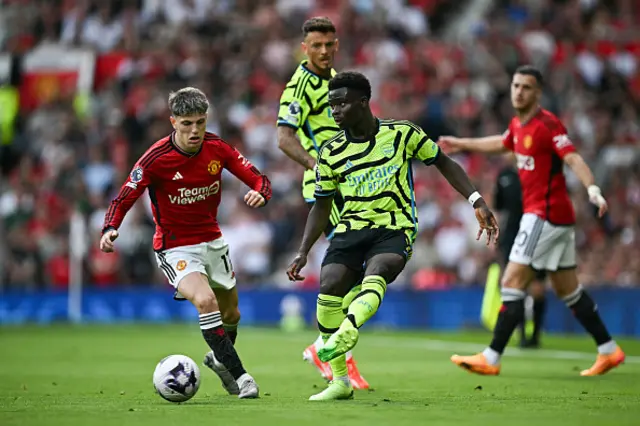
(176, 378)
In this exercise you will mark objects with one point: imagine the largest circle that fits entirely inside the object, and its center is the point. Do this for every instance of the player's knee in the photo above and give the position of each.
(231, 316)
(331, 288)
(512, 280)
(564, 282)
(334, 282)
(388, 268)
(205, 302)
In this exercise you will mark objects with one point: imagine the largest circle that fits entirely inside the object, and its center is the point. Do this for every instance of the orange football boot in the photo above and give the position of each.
(605, 362)
(356, 379)
(476, 364)
(311, 356)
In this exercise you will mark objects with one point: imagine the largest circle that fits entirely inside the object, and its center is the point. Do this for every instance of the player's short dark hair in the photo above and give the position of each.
(351, 80)
(188, 101)
(532, 71)
(320, 24)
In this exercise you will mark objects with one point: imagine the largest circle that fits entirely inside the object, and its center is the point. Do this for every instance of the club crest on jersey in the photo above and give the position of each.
(387, 149)
(528, 142)
(136, 175)
(214, 167)
(181, 265)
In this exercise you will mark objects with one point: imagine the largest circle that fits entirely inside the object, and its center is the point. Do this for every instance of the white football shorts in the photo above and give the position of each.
(543, 246)
(209, 258)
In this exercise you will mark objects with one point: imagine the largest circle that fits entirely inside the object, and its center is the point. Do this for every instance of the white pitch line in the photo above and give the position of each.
(370, 339)
(465, 347)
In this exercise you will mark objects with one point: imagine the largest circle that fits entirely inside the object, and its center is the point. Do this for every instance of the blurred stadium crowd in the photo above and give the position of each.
(71, 153)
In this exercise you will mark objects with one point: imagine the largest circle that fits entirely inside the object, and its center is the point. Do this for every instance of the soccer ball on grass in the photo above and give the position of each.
(176, 378)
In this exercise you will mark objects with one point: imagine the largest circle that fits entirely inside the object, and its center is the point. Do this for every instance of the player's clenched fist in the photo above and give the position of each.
(254, 199)
(106, 242)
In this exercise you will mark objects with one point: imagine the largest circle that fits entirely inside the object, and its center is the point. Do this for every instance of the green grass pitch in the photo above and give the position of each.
(101, 375)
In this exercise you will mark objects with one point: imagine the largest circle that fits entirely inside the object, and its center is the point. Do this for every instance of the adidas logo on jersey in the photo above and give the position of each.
(348, 165)
(177, 176)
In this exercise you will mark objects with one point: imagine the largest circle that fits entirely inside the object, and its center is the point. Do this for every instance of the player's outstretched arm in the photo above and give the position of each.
(488, 144)
(317, 221)
(582, 170)
(459, 180)
(289, 143)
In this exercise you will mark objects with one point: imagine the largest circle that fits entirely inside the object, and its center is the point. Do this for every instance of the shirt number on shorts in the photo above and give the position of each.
(521, 238)
(228, 266)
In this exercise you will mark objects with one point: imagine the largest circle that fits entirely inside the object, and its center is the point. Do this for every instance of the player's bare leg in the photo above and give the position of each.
(335, 281)
(514, 282)
(228, 301)
(195, 288)
(565, 283)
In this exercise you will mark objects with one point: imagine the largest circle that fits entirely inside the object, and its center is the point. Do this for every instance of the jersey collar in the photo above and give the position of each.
(360, 140)
(180, 151)
(524, 123)
(303, 65)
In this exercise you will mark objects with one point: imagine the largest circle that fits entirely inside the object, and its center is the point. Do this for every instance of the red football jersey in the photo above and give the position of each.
(540, 145)
(184, 189)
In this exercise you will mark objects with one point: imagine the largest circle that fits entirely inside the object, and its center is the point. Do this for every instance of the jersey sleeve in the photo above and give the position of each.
(422, 148)
(242, 168)
(294, 107)
(507, 138)
(326, 182)
(137, 181)
(560, 141)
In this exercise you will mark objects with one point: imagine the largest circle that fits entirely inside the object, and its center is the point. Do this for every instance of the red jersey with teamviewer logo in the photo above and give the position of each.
(184, 189)
(540, 146)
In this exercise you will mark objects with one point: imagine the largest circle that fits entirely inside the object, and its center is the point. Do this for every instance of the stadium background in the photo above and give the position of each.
(84, 87)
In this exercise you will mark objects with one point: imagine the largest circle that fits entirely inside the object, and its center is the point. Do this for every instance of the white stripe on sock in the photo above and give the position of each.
(210, 320)
(571, 299)
(210, 314)
(512, 294)
(210, 326)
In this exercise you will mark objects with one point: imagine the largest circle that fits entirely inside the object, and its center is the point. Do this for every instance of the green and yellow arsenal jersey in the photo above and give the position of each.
(304, 106)
(374, 176)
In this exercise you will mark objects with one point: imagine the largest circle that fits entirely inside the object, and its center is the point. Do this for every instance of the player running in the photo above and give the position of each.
(369, 162)
(304, 125)
(183, 174)
(546, 240)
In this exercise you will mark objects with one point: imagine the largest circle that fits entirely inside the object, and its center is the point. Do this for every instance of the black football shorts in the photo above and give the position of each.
(354, 248)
